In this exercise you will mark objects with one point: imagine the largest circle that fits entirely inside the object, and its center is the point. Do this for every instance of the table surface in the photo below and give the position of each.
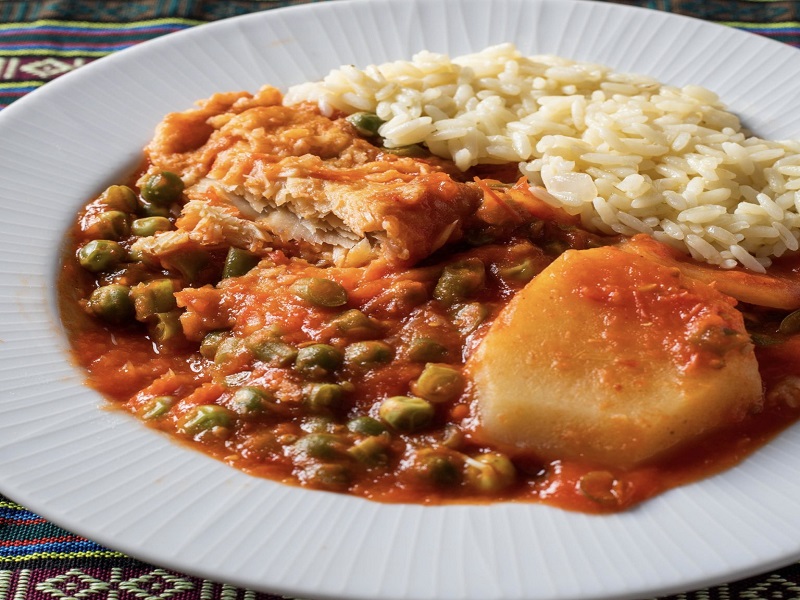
(41, 40)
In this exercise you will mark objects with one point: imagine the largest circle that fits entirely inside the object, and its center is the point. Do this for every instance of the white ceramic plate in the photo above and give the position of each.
(102, 475)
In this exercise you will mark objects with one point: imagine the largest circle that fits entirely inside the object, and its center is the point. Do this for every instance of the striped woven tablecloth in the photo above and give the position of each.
(40, 41)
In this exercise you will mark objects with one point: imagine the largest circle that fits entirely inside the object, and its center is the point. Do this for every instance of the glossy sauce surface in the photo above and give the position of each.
(299, 432)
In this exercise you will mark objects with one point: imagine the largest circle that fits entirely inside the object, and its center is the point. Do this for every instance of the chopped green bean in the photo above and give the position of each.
(366, 123)
(211, 342)
(206, 417)
(411, 150)
(239, 262)
(227, 350)
(157, 407)
(189, 262)
(166, 326)
(153, 297)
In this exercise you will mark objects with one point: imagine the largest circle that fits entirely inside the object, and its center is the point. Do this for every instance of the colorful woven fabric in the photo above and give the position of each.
(42, 40)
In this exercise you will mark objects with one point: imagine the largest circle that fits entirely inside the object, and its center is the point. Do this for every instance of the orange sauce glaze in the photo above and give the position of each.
(127, 367)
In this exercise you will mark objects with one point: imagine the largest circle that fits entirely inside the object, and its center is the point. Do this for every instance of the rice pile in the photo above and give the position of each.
(623, 151)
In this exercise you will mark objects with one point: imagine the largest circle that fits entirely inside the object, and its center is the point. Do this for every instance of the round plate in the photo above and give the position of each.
(101, 474)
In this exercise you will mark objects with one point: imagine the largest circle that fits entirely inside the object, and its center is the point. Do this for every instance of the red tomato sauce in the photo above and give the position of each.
(245, 376)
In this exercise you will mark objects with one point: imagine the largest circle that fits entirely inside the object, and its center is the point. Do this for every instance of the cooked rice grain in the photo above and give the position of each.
(626, 153)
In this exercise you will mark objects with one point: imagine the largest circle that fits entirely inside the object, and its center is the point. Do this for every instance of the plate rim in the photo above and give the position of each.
(54, 89)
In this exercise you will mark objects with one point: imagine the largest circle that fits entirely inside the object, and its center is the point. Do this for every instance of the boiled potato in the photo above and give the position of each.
(609, 358)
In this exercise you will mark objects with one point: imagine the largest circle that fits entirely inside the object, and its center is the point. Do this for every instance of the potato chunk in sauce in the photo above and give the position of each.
(610, 359)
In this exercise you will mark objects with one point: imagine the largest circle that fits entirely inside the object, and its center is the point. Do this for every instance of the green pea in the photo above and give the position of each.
(406, 413)
(329, 476)
(324, 396)
(425, 349)
(355, 324)
(318, 360)
(764, 340)
(112, 303)
(439, 383)
(791, 323)
(147, 226)
(368, 354)
(490, 472)
(119, 197)
(151, 209)
(479, 237)
(157, 407)
(272, 351)
(600, 487)
(162, 188)
(100, 255)
(411, 150)
(318, 424)
(320, 445)
(440, 468)
(109, 225)
(371, 451)
(366, 426)
(239, 262)
(320, 291)
(469, 316)
(249, 400)
(211, 342)
(166, 326)
(521, 272)
(408, 294)
(366, 123)
(153, 297)
(206, 417)
(460, 281)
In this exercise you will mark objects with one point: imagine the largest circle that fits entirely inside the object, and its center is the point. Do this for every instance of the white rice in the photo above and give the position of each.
(626, 153)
